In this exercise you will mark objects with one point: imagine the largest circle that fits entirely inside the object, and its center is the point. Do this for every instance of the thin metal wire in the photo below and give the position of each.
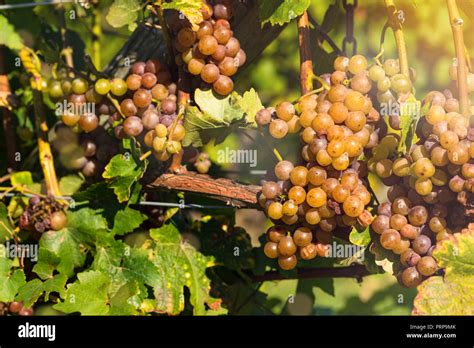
(186, 206)
(149, 203)
(33, 4)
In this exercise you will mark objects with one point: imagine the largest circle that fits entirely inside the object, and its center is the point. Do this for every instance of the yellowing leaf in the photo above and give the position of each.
(191, 9)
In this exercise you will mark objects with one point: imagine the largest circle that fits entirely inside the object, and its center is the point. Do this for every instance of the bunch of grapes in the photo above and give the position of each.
(15, 308)
(88, 100)
(329, 190)
(431, 188)
(391, 86)
(288, 246)
(148, 102)
(150, 109)
(411, 231)
(212, 52)
(43, 214)
(87, 152)
(202, 163)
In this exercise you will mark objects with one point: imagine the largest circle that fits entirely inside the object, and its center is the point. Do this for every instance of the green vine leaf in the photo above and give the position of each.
(70, 184)
(88, 295)
(215, 117)
(31, 291)
(124, 170)
(124, 12)
(9, 36)
(11, 279)
(360, 235)
(452, 294)
(281, 11)
(127, 220)
(6, 227)
(410, 112)
(180, 265)
(251, 104)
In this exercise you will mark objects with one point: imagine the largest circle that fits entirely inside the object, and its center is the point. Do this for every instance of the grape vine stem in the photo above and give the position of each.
(396, 26)
(44, 148)
(456, 26)
(306, 63)
(233, 193)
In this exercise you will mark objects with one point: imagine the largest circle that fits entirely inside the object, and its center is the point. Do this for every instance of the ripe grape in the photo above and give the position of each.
(223, 85)
(132, 126)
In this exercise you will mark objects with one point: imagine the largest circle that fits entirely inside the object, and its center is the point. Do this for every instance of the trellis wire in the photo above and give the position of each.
(33, 4)
(145, 203)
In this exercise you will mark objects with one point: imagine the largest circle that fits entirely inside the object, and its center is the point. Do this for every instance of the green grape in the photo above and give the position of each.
(55, 90)
(376, 73)
(380, 152)
(384, 84)
(401, 167)
(102, 86)
(391, 67)
(400, 83)
(79, 86)
(118, 87)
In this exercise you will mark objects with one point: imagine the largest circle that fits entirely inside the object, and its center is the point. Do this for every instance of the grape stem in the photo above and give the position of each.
(44, 148)
(116, 104)
(306, 62)
(396, 26)
(324, 35)
(66, 50)
(145, 155)
(274, 149)
(456, 26)
(96, 35)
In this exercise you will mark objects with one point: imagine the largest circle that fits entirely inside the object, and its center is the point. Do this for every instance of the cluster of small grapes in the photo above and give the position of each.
(78, 91)
(87, 152)
(43, 215)
(150, 108)
(288, 247)
(432, 188)
(337, 126)
(202, 163)
(15, 308)
(211, 52)
(391, 86)
(411, 231)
